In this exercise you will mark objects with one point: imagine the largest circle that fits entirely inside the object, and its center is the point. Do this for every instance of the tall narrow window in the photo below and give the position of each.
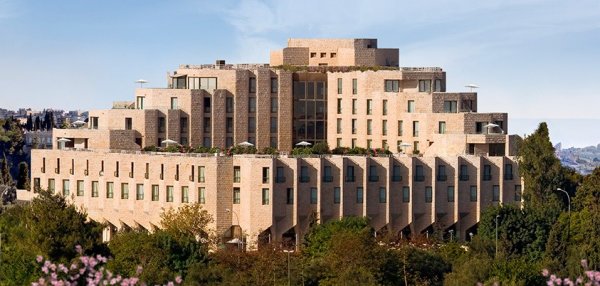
(359, 195)
(265, 175)
(354, 126)
(229, 104)
(382, 195)
(349, 173)
(202, 195)
(304, 178)
(487, 172)
(51, 186)
(65, 187)
(280, 177)
(313, 196)
(442, 127)
(508, 171)
(438, 85)
(251, 104)
(396, 176)
(265, 196)
(384, 107)
(251, 125)
(155, 193)
(415, 128)
(406, 194)
(339, 126)
(517, 193)
(411, 106)
(339, 106)
(369, 126)
(441, 173)
(464, 173)
(128, 123)
(95, 189)
(428, 194)
(339, 86)
(384, 128)
(450, 191)
(274, 105)
(237, 174)
(425, 85)
(252, 85)
(185, 194)
(274, 85)
(110, 190)
(139, 192)
(373, 177)
(289, 196)
(80, 188)
(174, 104)
(354, 86)
(495, 193)
(273, 124)
(419, 175)
(236, 195)
(161, 124)
(124, 191)
(473, 193)
(353, 106)
(400, 127)
(201, 177)
(170, 194)
(336, 195)
(369, 106)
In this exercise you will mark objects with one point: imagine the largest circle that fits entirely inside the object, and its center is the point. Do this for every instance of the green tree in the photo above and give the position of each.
(23, 179)
(187, 220)
(5, 177)
(17, 258)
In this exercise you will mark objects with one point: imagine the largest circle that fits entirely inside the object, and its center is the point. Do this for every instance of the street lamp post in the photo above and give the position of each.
(451, 234)
(497, 217)
(288, 266)
(569, 210)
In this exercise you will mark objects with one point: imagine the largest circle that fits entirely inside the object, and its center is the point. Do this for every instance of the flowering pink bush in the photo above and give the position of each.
(591, 277)
(85, 270)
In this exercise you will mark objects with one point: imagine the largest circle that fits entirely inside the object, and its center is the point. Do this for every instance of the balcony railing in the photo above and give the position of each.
(327, 178)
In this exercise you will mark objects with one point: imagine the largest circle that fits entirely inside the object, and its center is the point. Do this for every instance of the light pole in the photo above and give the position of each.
(471, 236)
(497, 217)
(288, 266)
(569, 210)
(238, 224)
(451, 234)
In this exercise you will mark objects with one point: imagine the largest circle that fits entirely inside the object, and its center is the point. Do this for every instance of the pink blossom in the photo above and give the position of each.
(178, 280)
(39, 259)
(45, 269)
(78, 249)
(139, 269)
(584, 264)
(545, 272)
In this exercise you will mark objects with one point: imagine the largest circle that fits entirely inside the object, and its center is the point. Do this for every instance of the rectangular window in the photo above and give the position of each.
(327, 175)
(424, 85)
(495, 193)
(252, 85)
(384, 107)
(438, 85)
(280, 177)
(170, 193)
(161, 124)
(442, 127)
(313, 196)
(229, 104)
(450, 106)
(441, 173)
(237, 173)
(406, 194)
(400, 127)
(508, 172)
(369, 126)
(464, 173)
(416, 147)
(353, 106)
(139, 192)
(174, 103)
(65, 187)
(353, 143)
(428, 194)
(304, 178)
(349, 173)
(236, 195)
(128, 123)
(487, 172)
(202, 195)
(396, 177)
(265, 175)
(251, 104)
(140, 102)
(183, 125)
(274, 105)
(338, 142)
(382, 195)
(450, 194)
(353, 126)
(373, 177)
(155, 193)
(51, 186)
(80, 188)
(201, 171)
(229, 125)
(354, 86)
(411, 106)
(336, 195)
(110, 190)
(273, 124)
(419, 175)
(124, 191)
(207, 125)
(517, 193)
(95, 120)
(339, 86)
(479, 127)
(265, 196)
(289, 196)
(185, 194)
(369, 106)
(359, 195)
(384, 128)
(274, 85)
(339, 126)
(415, 128)
(251, 124)
(95, 189)
(207, 104)
(473, 193)
(392, 85)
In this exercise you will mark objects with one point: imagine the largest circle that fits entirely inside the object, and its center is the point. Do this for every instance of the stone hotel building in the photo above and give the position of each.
(449, 161)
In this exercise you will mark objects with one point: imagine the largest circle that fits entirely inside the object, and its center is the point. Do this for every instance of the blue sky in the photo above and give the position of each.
(532, 59)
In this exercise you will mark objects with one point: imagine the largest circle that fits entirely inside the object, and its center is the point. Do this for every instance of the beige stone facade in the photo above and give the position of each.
(346, 92)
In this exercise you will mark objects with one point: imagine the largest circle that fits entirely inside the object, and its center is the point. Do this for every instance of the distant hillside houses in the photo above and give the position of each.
(583, 160)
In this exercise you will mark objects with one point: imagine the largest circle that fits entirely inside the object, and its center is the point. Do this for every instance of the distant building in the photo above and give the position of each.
(346, 92)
